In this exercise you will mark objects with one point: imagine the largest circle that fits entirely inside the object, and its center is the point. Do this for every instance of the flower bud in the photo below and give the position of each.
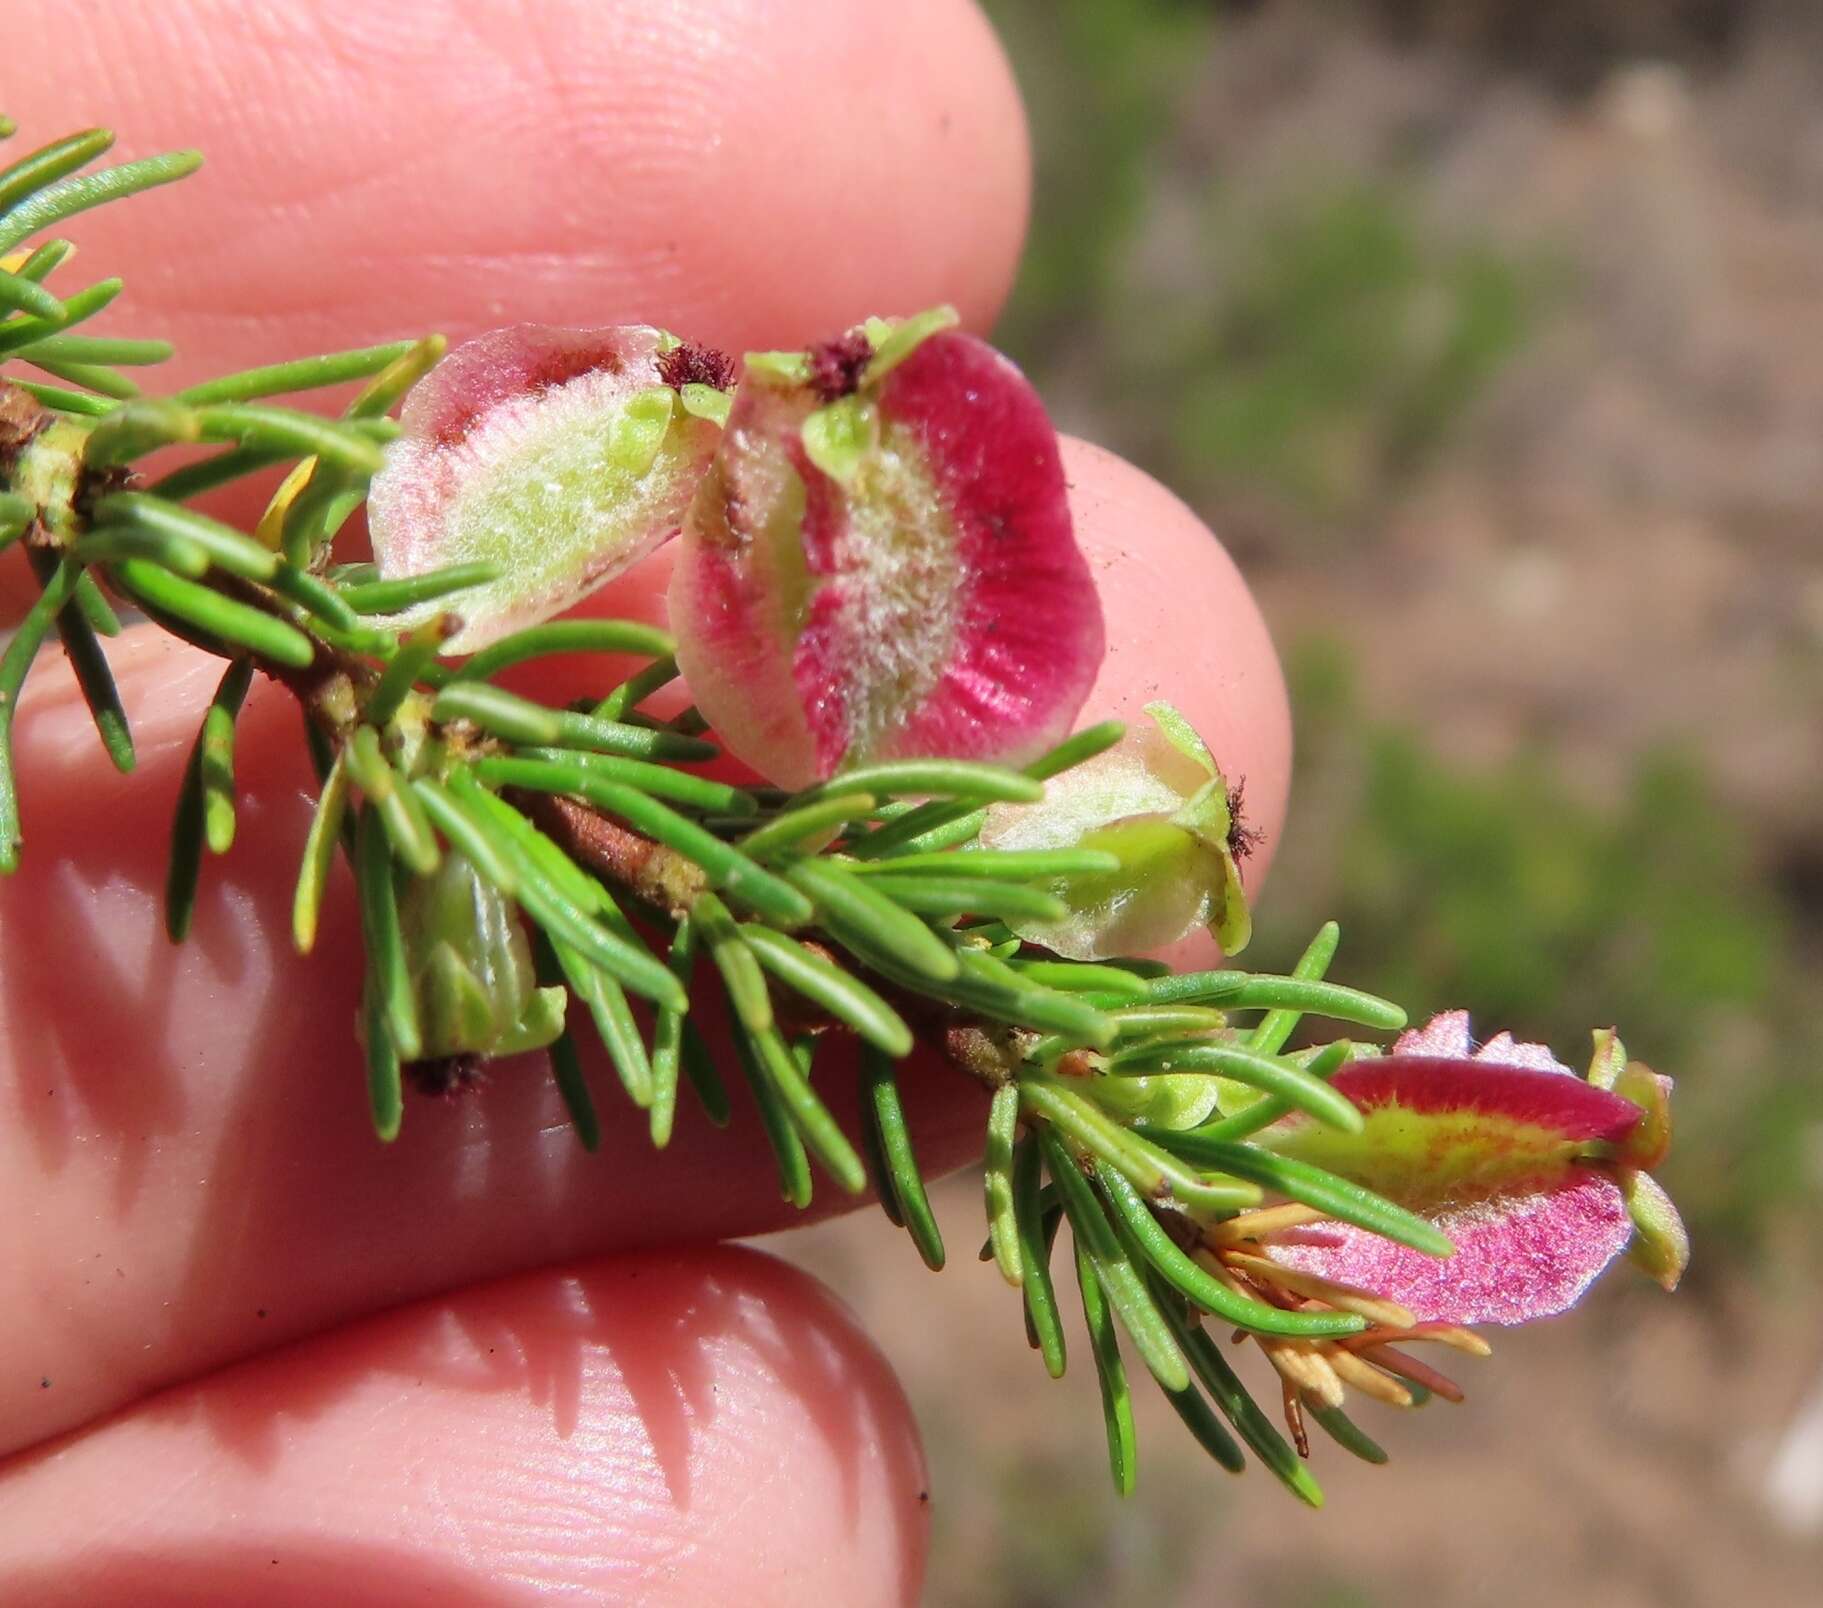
(1158, 803)
(471, 967)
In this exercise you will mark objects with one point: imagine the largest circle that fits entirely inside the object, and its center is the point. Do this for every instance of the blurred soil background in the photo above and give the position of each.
(1489, 335)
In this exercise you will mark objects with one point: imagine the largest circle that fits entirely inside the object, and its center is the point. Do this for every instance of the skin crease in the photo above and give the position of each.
(184, 1153)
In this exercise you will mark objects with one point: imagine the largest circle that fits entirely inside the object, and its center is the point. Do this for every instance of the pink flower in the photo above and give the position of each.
(880, 562)
(1538, 1176)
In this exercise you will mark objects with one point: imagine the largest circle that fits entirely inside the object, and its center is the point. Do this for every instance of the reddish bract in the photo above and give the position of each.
(560, 456)
(889, 575)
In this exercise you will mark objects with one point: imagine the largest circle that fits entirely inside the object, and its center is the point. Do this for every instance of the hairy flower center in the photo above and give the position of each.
(898, 579)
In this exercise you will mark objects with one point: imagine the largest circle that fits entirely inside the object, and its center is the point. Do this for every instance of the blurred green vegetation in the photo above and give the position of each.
(1292, 360)
(1311, 352)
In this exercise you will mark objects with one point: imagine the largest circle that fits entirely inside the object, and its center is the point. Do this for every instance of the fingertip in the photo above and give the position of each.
(662, 1428)
(1183, 626)
(749, 174)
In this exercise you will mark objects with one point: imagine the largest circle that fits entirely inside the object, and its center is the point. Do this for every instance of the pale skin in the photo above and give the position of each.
(250, 1354)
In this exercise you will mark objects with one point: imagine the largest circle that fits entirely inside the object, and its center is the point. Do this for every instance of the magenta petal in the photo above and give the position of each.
(1522, 1257)
(1029, 637)
(1445, 1034)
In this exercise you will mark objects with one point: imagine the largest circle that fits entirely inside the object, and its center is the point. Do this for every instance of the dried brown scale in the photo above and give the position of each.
(22, 418)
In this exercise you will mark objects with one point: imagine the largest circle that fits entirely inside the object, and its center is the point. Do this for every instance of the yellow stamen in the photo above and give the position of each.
(1257, 1225)
(1304, 1368)
(1465, 1340)
(1368, 1380)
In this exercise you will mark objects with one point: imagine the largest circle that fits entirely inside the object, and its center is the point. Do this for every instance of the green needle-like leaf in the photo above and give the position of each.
(1344, 1431)
(1298, 1180)
(668, 1040)
(53, 204)
(1284, 1079)
(557, 907)
(46, 259)
(796, 829)
(739, 966)
(781, 1067)
(568, 636)
(385, 1086)
(1120, 1279)
(398, 808)
(840, 993)
(92, 376)
(388, 977)
(89, 662)
(416, 650)
(781, 1134)
(705, 1076)
(228, 549)
(290, 434)
(1251, 1119)
(726, 867)
(1042, 1318)
(302, 374)
(520, 720)
(566, 1064)
(634, 691)
(15, 665)
(1169, 1261)
(1276, 1026)
(1116, 1397)
(183, 867)
(94, 608)
(223, 618)
(901, 1184)
(1066, 974)
(1239, 1408)
(929, 895)
(1192, 1406)
(49, 163)
(393, 597)
(99, 349)
(960, 779)
(215, 755)
(18, 333)
(178, 554)
(82, 403)
(1241, 991)
(661, 781)
(319, 856)
(21, 295)
(870, 924)
(997, 1182)
(999, 865)
(1155, 1173)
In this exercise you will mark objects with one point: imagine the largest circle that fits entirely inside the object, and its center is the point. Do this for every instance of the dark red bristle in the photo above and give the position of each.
(695, 364)
(836, 365)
